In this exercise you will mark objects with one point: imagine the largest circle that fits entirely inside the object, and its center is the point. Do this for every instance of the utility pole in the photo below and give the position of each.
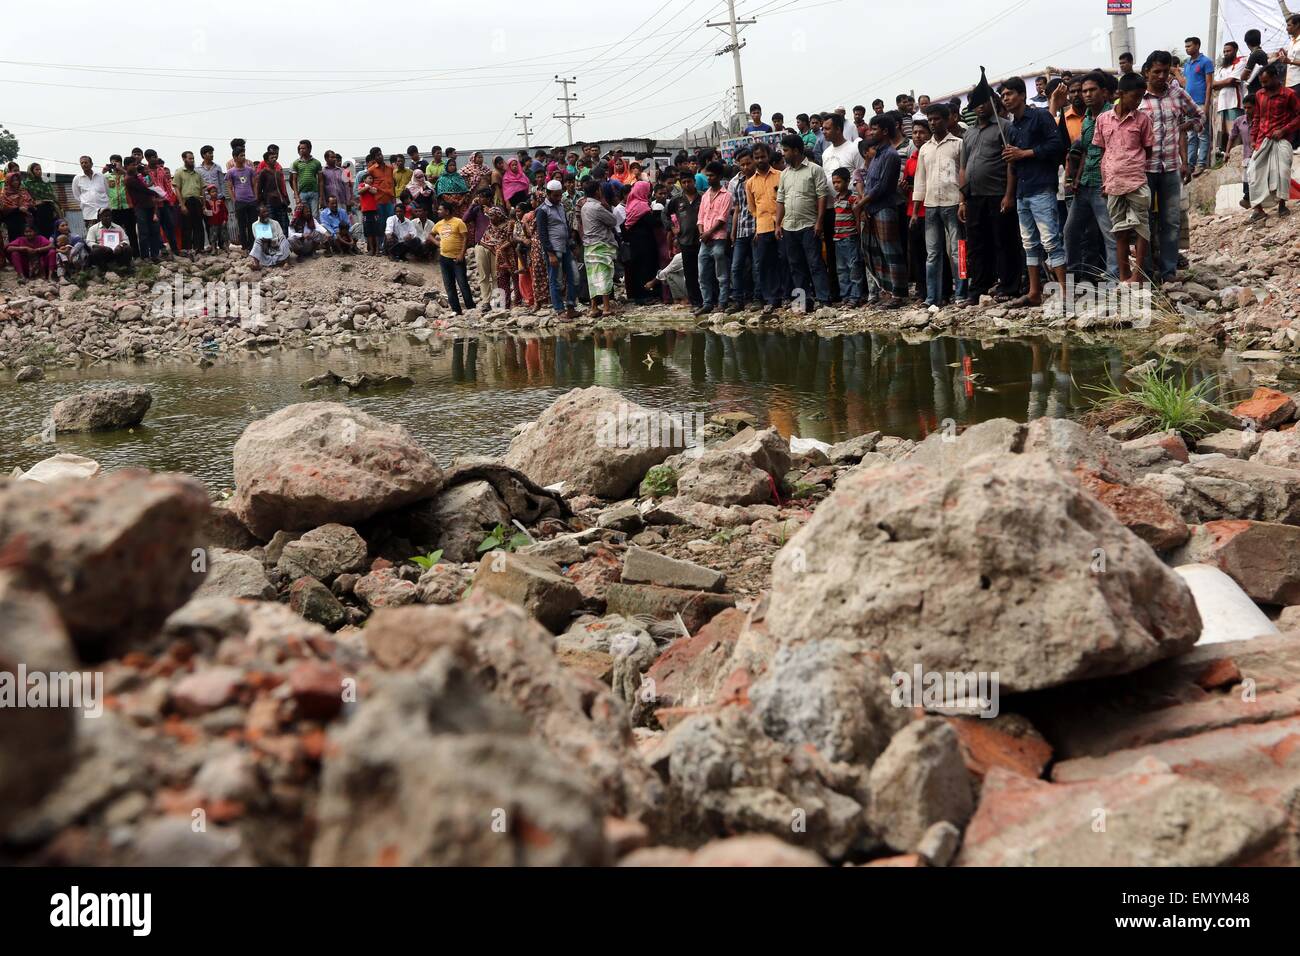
(525, 134)
(568, 115)
(1120, 39)
(1213, 48)
(732, 26)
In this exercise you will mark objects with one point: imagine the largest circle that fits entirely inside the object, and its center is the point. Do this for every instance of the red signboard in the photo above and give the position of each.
(1119, 8)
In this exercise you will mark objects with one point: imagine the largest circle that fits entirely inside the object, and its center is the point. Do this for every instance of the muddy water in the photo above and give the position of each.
(469, 393)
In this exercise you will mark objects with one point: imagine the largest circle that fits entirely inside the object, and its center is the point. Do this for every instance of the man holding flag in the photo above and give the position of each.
(995, 260)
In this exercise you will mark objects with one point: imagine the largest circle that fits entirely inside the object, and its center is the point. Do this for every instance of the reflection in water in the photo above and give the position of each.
(470, 392)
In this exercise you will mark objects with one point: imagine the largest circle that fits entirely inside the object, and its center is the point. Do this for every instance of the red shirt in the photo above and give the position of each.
(1279, 110)
(369, 200)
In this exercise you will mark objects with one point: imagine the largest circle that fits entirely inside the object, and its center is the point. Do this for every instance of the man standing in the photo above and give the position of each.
(682, 217)
(1198, 71)
(760, 198)
(145, 202)
(190, 191)
(212, 173)
(756, 124)
(1172, 113)
(1039, 98)
(119, 199)
(839, 153)
(936, 187)
(1277, 112)
(243, 190)
(1088, 213)
(304, 177)
(744, 271)
(334, 183)
(1035, 147)
(90, 191)
(988, 205)
(1255, 62)
(1290, 57)
(1125, 63)
(715, 264)
(1227, 90)
(552, 224)
(882, 204)
(801, 200)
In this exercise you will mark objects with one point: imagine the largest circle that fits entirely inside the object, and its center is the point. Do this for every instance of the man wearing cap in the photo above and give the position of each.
(553, 230)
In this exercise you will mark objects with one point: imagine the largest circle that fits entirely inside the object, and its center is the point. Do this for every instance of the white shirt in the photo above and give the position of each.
(401, 229)
(845, 155)
(1229, 97)
(90, 193)
(95, 235)
(316, 230)
(936, 172)
(1292, 71)
(421, 229)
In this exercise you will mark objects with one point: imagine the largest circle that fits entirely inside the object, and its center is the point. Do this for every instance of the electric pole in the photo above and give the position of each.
(1121, 40)
(568, 115)
(525, 134)
(1213, 48)
(732, 26)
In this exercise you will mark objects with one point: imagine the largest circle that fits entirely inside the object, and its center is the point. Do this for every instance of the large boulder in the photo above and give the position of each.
(1147, 818)
(235, 575)
(464, 516)
(535, 584)
(36, 743)
(514, 657)
(1263, 557)
(116, 555)
(743, 470)
(102, 409)
(433, 771)
(1006, 566)
(593, 440)
(1214, 488)
(324, 553)
(321, 462)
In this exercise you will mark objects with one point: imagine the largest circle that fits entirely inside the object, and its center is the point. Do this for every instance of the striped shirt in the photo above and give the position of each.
(745, 224)
(1168, 111)
(846, 226)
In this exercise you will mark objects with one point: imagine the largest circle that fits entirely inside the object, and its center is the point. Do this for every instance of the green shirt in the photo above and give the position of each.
(799, 190)
(116, 190)
(188, 184)
(1090, 175)
(307, 171)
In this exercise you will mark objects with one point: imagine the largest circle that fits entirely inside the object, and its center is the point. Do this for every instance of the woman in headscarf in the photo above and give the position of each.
(498, 174)
(71, 249)
(536, 262)
(622, 173)
(31, 255)
(453, 188)
(15, 205)
(638, 233)
(515, 184)
(475, 174)
(498, 239)
(45, 208)
(419, 192)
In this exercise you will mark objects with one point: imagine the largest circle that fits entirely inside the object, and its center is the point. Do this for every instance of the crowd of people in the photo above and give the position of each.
(932, 203)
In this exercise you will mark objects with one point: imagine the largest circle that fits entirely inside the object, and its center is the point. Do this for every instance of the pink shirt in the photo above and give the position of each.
(1125, 141)
(715, 208)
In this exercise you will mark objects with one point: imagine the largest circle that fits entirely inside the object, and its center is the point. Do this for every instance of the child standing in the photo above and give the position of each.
(1126, 137)
(1241, 133)
(215, 218)
(848, 250)
(368, 195)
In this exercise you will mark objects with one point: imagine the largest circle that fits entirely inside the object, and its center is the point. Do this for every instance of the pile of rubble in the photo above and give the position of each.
(595, 652)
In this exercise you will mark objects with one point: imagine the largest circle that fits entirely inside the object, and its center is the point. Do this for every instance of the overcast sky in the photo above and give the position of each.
(104, 77)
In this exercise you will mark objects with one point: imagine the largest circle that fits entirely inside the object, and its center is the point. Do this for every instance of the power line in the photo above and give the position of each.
(568, 115)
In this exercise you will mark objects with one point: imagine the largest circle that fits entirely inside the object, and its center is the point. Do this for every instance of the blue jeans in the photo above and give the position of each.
(1088, 212)
(570, 296)
(941, 239)
(848, 263)
(1198, 148)
(1040, 230)
(715, 270)
(803, 251)
(1166, 220)
(385, 209)
(767, 268)
(744, 270)
(146, 228)
(311, 200)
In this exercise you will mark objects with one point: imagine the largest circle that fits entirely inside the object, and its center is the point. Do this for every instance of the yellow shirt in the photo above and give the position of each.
(760, 192)
(451, 235)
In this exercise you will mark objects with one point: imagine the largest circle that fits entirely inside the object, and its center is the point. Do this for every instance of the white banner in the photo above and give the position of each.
(1238, 16)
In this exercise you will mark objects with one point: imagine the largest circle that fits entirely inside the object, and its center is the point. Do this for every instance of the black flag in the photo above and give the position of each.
(982, 92)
